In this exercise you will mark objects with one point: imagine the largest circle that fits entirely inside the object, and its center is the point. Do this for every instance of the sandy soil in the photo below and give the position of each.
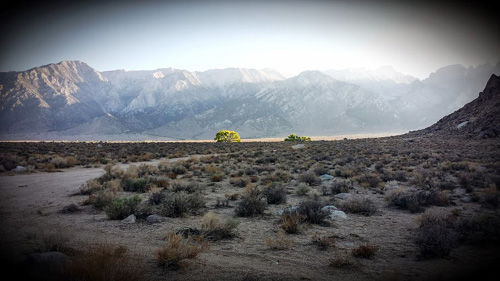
(30, 205)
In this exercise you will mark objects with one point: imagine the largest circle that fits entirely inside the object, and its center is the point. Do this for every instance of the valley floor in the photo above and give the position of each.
(465, 172)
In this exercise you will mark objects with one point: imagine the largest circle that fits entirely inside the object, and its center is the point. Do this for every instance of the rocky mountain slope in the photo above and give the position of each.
(70, 99)
(479, 118)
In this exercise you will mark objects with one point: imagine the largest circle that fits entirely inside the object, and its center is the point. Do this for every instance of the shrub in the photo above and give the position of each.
(177, 249)
(135, 185)
(416, 200)
(312, 211)
(240, 181)
(190, 187)
(227, 136)
(156, 198)
(309, 178)
(294, 137)
(435, 236)
(102, 199)
(337, 187)
(121, 208)
(369, 180)
(213, 228)
(479, 229)
(217, 177)
(179, 203)
(359, 205)
(104, 262)
(252, 202)
(275, 194)
(90, 186)
(364, 251)
(302, 189)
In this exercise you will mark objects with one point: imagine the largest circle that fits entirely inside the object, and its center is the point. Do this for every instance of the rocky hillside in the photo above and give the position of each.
(479, 118)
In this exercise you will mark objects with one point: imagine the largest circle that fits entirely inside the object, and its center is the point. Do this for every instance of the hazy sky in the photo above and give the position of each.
(415, 37)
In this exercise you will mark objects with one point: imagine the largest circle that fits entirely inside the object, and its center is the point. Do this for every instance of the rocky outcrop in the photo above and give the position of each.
(479, 118)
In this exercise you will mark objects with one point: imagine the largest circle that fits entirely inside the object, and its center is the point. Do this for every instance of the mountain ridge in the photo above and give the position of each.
(168, 102)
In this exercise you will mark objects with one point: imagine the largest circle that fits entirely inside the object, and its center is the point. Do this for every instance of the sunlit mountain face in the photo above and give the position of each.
(74, 100)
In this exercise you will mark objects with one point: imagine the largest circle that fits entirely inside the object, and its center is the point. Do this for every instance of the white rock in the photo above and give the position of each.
(129, 219)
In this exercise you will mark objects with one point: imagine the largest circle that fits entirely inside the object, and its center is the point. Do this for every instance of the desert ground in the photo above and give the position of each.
(416, 208)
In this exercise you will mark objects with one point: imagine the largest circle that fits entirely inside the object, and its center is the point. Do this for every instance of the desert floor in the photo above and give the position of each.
(30, 205)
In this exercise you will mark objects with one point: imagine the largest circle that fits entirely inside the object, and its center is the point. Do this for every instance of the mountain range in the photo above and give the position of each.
(71, 100)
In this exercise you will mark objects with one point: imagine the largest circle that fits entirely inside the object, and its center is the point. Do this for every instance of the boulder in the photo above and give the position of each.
(20, 169)
(342, 196)
(326, 177)
(129, 219)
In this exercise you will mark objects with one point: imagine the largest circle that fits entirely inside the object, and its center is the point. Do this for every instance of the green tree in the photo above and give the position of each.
(294, 137)
(227, 136)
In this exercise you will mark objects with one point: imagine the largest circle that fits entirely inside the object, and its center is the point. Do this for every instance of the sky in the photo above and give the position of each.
(415, 37)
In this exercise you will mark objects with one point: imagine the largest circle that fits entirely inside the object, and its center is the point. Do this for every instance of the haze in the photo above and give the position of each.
(290, 36)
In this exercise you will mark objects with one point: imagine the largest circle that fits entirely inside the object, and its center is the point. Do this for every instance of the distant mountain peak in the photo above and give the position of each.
(384, 73)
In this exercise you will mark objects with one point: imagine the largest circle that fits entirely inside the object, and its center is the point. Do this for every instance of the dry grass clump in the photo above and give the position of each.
(214, 228)
(280, 242)
(323, 242)
(90, 186)
(291, 222)
(363, 205)
(365, 251)
(103, 262)
(177, 249)
(343, 261)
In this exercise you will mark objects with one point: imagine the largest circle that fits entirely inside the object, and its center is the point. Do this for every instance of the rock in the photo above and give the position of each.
(466, 199)
(294, 182)
(129, 219)
(298, 146)
(188, 231)
(154, 219)
(326, 177)
(337, 215)
(334, 213)
(290, 209)
(391, 185)
(342, 196)
(48, 261)
(20, 169)
(329, 208)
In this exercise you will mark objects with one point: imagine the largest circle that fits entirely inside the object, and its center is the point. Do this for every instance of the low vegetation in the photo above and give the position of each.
(270, 196)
